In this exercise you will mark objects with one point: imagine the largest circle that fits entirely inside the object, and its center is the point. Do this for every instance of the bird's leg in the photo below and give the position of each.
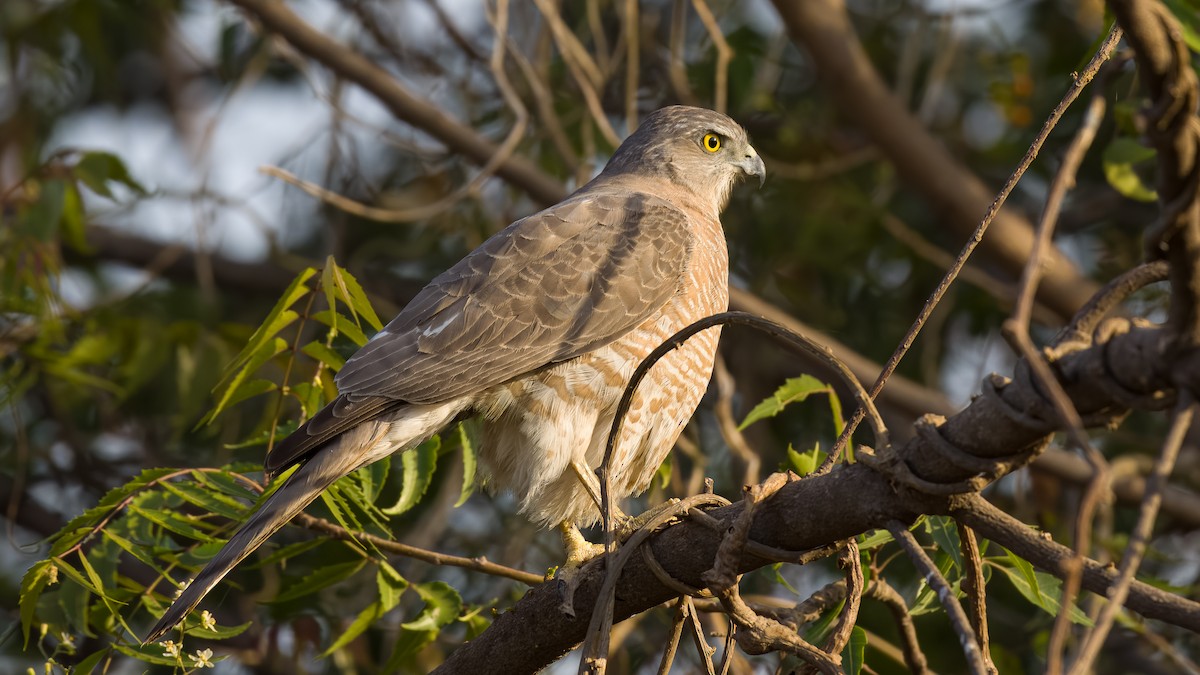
(592, 484)
(579, 551)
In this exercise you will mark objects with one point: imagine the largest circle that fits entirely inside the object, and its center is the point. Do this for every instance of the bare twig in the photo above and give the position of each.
(975, 587)
(881, 590)
(1085, 76)
(724, 53)
(734, 438)
(1138, 538)
(954, 611)
(681, 614)
(1016, 331)
(480, 564)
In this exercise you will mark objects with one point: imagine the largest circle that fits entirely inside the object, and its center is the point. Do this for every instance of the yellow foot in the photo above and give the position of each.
(579, 552)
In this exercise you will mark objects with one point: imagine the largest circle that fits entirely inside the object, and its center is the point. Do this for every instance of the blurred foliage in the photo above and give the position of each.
(111, 365)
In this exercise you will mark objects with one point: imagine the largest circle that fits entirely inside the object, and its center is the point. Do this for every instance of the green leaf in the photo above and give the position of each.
(151, 653)
(97, 169)
(945, 534)
(419, 465)
(344, 325)
(213, 502)
(323, 577)
(1042, 590)
(287, 552)
(73, 531)
(1119, 159)
(362, 622)
(391, 585)
(357, 299)
(807, 462)
(86, 666)
(320, 352)
(39, 576)
(265, 352)
(72, 221)
(329, 288)
(794, 390)
(196, 629)
(854, 655)
(277, 319)
(175, 523)
(442, 606)
(407, 645)
(470, 460)
(876, 539)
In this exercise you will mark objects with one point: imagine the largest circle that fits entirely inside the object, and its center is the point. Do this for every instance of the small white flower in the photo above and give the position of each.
(201, 659)
(67, 640)
(182, 587)
(208, 621)
(52, 575)
(172, 649)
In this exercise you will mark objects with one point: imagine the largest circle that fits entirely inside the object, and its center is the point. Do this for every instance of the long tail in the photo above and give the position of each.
(329, 464)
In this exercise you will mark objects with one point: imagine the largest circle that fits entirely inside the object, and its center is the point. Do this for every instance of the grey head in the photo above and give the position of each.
(698, 149)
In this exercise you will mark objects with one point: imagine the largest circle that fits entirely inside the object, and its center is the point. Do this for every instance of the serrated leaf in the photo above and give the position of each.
(344, 325)
(37, 578)
(361, 623)
(212, 502)
(268, 350)
(89, 518)
(287, 552)
(320, 352)
(276, 320)
(406, 646)
(329, 288)
(391, 585)
(794, 390)
(1119, 159)
(323, 577)
(442, 606)
(88, 664)
(419, 465)
(357, 299)
(470, 460)
(175, 523)
(151, 653)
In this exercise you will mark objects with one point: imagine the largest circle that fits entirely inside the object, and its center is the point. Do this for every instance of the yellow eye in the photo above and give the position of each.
(711, 142)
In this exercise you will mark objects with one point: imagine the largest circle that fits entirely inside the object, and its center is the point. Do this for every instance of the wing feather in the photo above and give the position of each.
(546, 289)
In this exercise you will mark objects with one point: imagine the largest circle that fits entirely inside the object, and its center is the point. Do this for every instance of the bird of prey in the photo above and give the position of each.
(537, 332)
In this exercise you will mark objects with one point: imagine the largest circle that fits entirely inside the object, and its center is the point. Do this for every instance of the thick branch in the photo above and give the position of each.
(852, 499)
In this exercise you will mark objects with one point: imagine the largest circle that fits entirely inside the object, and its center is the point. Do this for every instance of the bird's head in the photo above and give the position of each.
(701, 150)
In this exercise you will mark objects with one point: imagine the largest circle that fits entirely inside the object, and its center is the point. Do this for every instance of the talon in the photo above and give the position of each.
(579, 552)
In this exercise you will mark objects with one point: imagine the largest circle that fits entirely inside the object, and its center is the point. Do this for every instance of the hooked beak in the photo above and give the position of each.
(752, 165)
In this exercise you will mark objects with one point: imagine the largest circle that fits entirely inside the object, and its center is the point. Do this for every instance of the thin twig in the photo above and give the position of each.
(724, 53)
(1135, 550)
(681, 610)
(479, 564)
(954, 610)
(734, 438)
(1081, 81)
(1016, 330)
(879, 589)
(633, 34)
(975, 587)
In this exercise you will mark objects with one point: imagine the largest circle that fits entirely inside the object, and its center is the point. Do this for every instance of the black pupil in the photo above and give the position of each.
(712, 142)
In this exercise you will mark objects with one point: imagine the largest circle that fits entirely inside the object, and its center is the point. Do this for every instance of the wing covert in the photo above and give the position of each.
(545, 289)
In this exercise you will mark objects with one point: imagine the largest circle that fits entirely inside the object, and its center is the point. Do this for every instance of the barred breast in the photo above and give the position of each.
(534, 427)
